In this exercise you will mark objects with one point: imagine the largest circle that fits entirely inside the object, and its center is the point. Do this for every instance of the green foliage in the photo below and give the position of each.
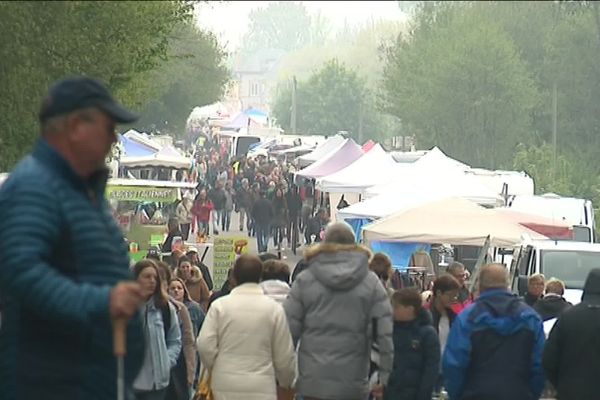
(361, 51)
(194, 75)
(331, 100)
(285, 25)
(538, 162)
(476, 78)
(120, 42)
(459, 83)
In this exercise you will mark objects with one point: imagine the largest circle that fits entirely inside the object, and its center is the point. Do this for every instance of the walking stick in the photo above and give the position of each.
(120, 349)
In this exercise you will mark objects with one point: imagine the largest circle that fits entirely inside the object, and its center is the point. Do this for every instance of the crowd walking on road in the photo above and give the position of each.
(337, 327)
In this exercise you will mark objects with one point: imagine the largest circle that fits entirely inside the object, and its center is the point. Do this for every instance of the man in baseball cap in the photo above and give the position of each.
(78, 119)
(64, 266)
(77, 93)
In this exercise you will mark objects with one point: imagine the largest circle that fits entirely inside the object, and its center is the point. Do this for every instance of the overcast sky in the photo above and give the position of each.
(229, 20)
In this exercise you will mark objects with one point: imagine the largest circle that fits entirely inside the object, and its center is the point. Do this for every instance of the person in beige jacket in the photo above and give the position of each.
(245, 341)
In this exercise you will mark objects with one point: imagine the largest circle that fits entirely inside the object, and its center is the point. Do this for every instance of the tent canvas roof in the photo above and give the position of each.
(167, 157)
(150, 183)
(142, 138)
(458, 185)
(252, 117)
(386, 204)
(135, 149)
(345, 154)
(549, 227)
(454, 221)
(321, 151)
(435, 159)
(368, 170)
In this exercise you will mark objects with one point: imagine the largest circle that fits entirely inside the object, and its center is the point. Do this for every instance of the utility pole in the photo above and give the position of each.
(554, 129)
(294, 106)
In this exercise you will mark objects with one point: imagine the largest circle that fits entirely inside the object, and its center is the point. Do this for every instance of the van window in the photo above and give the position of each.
(243, 144)
(571, 267)
(582, 234)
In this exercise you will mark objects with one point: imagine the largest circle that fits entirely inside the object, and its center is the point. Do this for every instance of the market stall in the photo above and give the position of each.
(373, 168)
(330, 145)
(344, 155)
(452, 221)
(142, 208)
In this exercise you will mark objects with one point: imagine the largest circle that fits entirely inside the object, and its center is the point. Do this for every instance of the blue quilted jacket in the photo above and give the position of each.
(60, 254)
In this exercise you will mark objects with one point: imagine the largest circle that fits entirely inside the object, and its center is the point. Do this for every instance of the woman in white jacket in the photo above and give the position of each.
(245, 341)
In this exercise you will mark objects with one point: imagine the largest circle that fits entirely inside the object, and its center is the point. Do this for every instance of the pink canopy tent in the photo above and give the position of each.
(344, 155)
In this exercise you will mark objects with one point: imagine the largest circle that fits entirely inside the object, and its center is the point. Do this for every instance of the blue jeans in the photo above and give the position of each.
(217, 216)
(262, 237)
(226, 220)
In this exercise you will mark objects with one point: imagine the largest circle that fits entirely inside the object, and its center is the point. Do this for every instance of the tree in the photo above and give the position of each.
(285, 25)
(195, 75)
(120, 43)
(361, 51)
(459, 83)
(331, 100)
(538, 162)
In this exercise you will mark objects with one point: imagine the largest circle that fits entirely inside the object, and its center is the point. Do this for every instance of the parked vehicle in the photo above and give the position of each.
(568, 261)
(579, 213)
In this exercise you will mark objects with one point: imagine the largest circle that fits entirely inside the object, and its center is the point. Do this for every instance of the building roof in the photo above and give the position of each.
(261, 61)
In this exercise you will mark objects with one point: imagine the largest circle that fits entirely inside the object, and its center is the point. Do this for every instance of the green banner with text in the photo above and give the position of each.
(136, 193)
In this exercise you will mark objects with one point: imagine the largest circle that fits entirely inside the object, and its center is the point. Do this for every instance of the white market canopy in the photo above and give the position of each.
(142, 138)
(433, 186)
(384, 205)
(167, 157)
(373, 168)
(518, 183)
(330, 145)
(295, 149)
(452, 221)
(435, 159)
(344, 155)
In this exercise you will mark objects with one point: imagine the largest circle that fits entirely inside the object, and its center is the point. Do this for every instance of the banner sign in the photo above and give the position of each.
(398, 252)
(226, 251)
(136, 193)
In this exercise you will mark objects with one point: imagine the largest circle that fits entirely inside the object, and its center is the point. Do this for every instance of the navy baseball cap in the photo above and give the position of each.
(72, 94)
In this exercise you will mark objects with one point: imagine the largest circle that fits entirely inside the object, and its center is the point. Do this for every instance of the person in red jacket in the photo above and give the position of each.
(201, 211)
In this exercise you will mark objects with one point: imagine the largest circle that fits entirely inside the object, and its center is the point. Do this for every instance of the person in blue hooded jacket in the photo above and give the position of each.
(495, 346)
(416, 349)
(63, 260)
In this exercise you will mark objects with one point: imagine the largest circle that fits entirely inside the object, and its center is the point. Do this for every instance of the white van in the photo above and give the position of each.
(578, 213)
(238, 143)
(568, 261)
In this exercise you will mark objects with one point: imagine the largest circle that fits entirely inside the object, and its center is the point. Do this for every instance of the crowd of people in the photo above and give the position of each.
(262, 192)
(340, 330)
(339, 327)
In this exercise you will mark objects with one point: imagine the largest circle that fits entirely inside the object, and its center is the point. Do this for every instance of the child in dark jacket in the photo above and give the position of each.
(416, 350)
